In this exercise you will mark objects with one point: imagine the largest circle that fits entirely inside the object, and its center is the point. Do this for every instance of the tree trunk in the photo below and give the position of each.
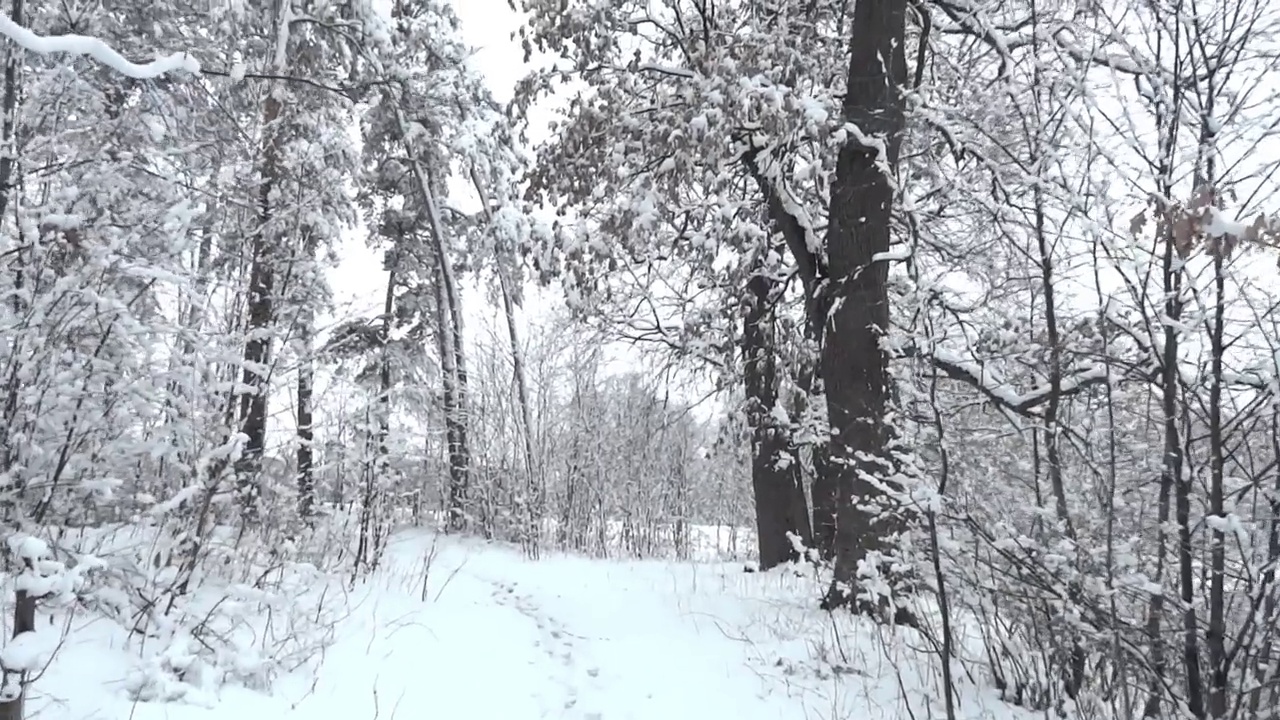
(456, 503)
(812, 271)
(261, 301)
(531, 503)
(1216, 637)
(1171, 467)
(823, 487)
(306, 432)
(384, 376)
(531, 507)
(24, 620)
(775, 470)
(9, 156)
(8, 187)
(450, 317)
(854, 365)
(1073, 676)
(261, 309)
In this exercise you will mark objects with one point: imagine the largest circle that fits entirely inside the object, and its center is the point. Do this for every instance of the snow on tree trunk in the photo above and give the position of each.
(781, 508)
(854, 362)
(306, 431)
(264, 255)
(450, 319)
(8, 159)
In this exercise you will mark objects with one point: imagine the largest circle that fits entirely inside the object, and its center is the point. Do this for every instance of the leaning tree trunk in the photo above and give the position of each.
(456, 502)
(811, 268)
(854, 364)
(532, 503)
(455, 377)
(781, 508)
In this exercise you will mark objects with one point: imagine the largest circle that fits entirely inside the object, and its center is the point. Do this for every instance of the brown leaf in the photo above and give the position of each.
(1138, 222)
(1183, 230)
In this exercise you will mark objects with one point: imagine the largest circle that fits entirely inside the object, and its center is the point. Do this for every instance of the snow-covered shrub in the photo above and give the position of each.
(250, 607)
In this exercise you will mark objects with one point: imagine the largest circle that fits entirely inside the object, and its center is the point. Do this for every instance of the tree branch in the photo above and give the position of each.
(98, 50)
(799, 235)
(1005, 395)
(102, 52)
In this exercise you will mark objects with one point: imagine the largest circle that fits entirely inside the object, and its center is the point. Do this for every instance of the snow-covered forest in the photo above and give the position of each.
(746, 358)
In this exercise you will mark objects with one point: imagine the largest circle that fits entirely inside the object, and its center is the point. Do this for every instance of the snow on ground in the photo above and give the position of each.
(499, 637)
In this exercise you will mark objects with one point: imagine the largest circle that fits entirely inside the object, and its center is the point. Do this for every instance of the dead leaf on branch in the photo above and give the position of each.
(1203, 224)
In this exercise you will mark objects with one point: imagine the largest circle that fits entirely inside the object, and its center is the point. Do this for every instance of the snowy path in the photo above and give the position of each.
(466, 630)
(628, 654)
(574, 639)
(497, 638)
(558, 644)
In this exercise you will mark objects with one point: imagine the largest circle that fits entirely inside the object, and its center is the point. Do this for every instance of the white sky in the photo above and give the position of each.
(487, 26)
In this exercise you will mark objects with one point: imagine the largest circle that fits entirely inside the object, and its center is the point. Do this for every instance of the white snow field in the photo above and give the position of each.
(499, 637)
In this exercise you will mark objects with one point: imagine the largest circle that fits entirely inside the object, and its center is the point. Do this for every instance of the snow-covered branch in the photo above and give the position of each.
(970, 20)
(96, 49)
(668, 70)
(1005, 395)
(789, 218)
(100, 51)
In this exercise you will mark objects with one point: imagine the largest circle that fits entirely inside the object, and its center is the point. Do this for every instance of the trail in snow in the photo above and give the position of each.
(499, 637)
(571, 675)
(612, 642)
(630, 650)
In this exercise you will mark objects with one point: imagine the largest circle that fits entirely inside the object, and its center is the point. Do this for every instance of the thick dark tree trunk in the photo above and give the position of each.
(775, 470)
(261, 310)
(812, 271)
(854, 364)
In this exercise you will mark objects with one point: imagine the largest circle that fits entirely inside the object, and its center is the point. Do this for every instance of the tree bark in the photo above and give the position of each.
(1216, 637)
(9, 156)
(812, 271)
(450, 324)
(261, 301)
(384, 374)
(456, 503)
(24, 620)
(775, 469)
(823, 487)
(306, 431)
(854, 364)
(261, 309)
